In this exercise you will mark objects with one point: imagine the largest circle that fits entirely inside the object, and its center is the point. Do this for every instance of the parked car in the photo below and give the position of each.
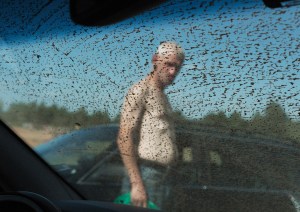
(241, 172)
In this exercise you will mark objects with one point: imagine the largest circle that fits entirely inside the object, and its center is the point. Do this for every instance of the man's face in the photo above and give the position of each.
(167, 67)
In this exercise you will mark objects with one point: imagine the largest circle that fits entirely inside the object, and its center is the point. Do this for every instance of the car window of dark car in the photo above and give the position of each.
(231, 166)
(73, 154)
(79, 146)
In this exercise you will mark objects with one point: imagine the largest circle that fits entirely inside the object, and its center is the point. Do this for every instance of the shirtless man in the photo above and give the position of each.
(147, 136)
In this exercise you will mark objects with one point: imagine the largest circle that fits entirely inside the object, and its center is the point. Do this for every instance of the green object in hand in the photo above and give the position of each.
(125, 199)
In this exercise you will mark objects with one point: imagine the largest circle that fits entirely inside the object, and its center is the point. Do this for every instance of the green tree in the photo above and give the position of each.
(116, 119)
(79, 116)
(276, 119)
(236, 122)
(217, 120)
(274, 122)
(293, 131)
(41, 116)
(19, 113)
(179, 118)
(257, 124)
(99, 117)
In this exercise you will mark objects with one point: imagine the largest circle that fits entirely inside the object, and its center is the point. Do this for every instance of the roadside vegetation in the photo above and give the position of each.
(273, 122)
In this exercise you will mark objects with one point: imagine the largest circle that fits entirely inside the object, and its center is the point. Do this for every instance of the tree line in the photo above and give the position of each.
(41, 115)
(272, 122)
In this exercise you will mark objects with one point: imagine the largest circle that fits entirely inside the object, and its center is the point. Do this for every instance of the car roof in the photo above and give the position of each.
(80, 136)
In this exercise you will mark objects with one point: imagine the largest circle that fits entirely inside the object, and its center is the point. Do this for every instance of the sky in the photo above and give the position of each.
(240, 55)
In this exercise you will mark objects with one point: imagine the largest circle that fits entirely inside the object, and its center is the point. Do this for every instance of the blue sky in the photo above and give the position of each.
(239, 56)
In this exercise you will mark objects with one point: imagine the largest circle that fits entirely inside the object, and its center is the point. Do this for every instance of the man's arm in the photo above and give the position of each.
(129, 125)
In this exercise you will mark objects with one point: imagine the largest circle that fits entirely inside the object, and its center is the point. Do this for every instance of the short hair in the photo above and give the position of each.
(167, 47)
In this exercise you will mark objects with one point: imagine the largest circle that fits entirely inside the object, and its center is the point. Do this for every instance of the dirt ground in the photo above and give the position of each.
(34, 137)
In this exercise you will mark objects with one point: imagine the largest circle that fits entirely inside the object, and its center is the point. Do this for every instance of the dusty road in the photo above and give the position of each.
(34, 137)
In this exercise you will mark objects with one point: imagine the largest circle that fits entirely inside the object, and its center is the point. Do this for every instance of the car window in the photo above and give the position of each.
(234, 102)
(79, 147)
(233, 168)
(106, 170)
(72, 155)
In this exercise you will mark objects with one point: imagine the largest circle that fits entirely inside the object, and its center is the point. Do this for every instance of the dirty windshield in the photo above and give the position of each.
(189, 105)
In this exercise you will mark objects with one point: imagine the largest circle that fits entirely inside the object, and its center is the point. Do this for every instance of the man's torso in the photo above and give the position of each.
(157, 131)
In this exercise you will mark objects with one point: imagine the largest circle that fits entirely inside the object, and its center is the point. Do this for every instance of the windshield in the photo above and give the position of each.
(220, 112)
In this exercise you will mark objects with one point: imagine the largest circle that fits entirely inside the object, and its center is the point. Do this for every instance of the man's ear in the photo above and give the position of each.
(154, 58)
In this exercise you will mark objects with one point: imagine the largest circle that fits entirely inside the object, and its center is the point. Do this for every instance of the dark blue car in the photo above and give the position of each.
(214, 167)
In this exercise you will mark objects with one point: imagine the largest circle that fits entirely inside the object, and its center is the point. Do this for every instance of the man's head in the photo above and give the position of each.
(167, 62)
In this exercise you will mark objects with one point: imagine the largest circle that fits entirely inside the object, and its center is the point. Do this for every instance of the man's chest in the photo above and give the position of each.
(157, 104)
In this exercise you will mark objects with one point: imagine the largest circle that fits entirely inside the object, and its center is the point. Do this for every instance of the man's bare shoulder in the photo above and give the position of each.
(134, 103)
(138, 89)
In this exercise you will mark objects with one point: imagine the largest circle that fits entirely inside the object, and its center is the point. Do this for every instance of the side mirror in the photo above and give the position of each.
(281, 3)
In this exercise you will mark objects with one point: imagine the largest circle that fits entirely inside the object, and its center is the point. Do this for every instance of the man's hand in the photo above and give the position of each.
(138, 195)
